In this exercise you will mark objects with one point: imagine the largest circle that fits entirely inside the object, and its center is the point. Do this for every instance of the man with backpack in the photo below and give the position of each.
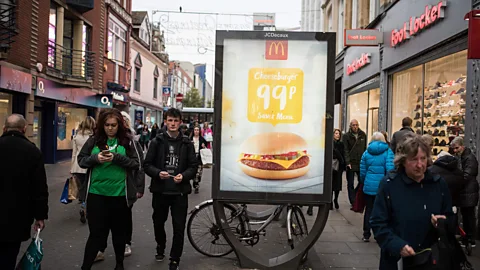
(172, 163)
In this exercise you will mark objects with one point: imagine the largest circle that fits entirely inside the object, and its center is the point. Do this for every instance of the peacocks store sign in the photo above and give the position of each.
(415, 25)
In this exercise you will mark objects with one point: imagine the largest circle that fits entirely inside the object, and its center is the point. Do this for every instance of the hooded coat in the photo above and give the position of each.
(469, 195)
(375, 163)
(447, 167)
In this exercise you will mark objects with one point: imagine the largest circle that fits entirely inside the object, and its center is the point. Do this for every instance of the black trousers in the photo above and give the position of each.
(129, 224)
(105, 214)
(8, 254)
(369, 200)
(82, 185)
(178, 205)
(352, 190)
(144, 145)
(468, 216)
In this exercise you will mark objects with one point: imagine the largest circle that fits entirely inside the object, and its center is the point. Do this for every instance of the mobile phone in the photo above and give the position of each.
(105, 152)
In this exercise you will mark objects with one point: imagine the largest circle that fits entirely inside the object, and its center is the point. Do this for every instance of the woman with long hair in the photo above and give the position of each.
(199, 143)
(207, 133)
(111, 161)
(144, 137)
(84, 131)
(154, 131)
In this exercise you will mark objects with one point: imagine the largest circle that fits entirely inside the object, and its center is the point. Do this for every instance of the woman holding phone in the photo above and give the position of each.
(111, 160)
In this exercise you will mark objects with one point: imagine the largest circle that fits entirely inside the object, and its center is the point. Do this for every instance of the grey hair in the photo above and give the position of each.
(458, 141)
(378, 136)
(15, 122)
(409, 148)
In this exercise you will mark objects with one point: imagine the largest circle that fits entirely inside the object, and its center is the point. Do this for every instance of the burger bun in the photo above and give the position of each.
(272, 174)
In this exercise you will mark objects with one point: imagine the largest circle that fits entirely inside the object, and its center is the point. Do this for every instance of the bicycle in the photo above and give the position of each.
(240, 224)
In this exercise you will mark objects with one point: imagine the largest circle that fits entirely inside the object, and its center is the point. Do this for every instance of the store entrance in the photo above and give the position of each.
(37, 128)
(364, 107)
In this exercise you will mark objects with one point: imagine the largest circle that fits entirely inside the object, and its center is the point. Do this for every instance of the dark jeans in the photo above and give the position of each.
(369, 200)
(352, 190)
(105, 214)
(82, 185)
(144, 145)
(8, 254)
(178, 205)
(129, 225)
(468, 216)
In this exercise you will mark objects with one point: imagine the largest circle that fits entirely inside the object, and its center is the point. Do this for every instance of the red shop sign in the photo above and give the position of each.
(417, 24)
(358, 63)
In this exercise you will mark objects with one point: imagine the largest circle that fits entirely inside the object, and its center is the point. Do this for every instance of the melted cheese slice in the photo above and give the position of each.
(284, 163)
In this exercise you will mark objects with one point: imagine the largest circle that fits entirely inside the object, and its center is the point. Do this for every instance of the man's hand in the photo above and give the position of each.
(407, 251)
(435, 218)
(349, 166)
(39, 224)
(178, 178)
(164, 175)
(139, 195)
(106, 158)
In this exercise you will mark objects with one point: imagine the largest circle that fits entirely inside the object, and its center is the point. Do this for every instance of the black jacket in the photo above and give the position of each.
(469, 195)
(153, 133)
(402, 212)
(447, 167)
(398, 137)
(155, 163)
(131, 163)
(23, 187)
(339, 153)
(201, 141)
(354, 148)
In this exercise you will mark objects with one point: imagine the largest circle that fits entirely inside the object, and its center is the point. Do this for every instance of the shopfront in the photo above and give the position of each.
(15, 86)
(361, 87)
(64, 108)
(120, 100)
(425, 63)
(146, 113)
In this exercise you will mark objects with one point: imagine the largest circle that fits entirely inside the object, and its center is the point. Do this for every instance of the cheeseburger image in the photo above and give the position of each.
(274, 156)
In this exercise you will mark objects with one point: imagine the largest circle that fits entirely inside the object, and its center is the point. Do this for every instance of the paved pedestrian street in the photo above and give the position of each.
(64, 238)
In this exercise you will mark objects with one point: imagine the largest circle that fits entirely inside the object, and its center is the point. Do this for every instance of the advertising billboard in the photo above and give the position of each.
(276, 117)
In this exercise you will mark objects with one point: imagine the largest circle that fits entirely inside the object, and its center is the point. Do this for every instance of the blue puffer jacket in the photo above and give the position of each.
(375, 163)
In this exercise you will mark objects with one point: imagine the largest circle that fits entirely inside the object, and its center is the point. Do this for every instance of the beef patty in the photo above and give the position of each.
(270, 166)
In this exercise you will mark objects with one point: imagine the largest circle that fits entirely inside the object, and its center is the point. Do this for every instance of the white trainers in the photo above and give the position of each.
(128, 250)
(100, 257)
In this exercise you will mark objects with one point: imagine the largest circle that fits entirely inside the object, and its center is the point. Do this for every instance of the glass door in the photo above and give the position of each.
(37, 129)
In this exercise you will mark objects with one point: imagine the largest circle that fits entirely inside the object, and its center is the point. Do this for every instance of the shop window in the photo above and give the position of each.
(363, 107)
(68, 120)
(5, 106)
(435, 100)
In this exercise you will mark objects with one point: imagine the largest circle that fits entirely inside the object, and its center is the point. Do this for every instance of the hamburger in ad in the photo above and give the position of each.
(274, 156)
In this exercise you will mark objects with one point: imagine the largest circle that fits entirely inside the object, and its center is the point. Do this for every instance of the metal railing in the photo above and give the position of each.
(70, 63)
(7, 25)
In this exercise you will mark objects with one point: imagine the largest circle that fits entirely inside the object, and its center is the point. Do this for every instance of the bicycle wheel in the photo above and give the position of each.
(206, 236)
(299, 228)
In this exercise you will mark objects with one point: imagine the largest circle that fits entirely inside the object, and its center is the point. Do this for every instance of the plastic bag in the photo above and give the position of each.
(64, 198)
(32, 258)
(206, 155)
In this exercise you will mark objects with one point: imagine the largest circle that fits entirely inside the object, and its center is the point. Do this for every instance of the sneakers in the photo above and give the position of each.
(173, 265)
(128, 250)
(159, 256)
(365, 239)
(119, 267)
(100, 257)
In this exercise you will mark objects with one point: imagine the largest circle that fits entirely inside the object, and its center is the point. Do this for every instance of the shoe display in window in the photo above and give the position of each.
(461, 102)
(429, 105)
(418, 131)
(418, 124)
(445, 114)
(437, 113)
(429, 124)
(442, 133)
(443, 143)
(418, 91)
(450, 83)
(419, 99)
(436, 132)
(444, 94)
(436, 142)
(417, 108)
(453, 93)
(444, 123)
(451, 103)
(462, 79)
(435, 151)
(417, 116)
(427, 115)
(460, 91)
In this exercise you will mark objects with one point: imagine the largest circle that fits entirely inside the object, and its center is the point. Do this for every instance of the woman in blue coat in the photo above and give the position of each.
(375, 163)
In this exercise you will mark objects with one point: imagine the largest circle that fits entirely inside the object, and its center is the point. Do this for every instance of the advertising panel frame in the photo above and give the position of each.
(271, 197)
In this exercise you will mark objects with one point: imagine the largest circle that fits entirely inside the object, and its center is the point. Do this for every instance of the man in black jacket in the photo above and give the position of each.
(355, 141)
(23, 189)
(469, 196)
(399, 136)
(171, 162)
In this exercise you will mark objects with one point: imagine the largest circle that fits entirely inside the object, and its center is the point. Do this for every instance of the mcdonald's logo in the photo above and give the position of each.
(276, 50)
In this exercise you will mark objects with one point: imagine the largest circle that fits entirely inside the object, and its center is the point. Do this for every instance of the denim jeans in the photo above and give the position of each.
(352, 189)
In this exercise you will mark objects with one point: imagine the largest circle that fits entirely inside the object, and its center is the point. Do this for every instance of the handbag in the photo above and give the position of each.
(208, 137)
(359, 204)
(72, 188)
(335, 164)
(206, 155)
(32, 258)
(64, 197)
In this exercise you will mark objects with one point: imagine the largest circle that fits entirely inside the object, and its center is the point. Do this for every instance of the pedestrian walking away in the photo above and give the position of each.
(399, 136)
(23, 189)
(111, 160)
(154, 131)
(84, 132)
(376, 162)
(355, 141)
(172, 164)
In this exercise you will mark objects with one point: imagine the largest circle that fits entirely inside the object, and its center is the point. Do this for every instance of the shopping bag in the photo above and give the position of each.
(64, 198)
(206, 155)
(72, 188)
(33, 256)
(208, 137)
(359, 204)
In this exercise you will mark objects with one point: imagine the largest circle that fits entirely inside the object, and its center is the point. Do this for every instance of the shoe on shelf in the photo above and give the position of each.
(460, 91)
(443, 143)
(100, 257)
(173, 265)
(128, 250)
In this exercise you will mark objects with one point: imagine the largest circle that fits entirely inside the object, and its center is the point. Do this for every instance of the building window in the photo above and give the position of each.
(373, 10)
(440, 85)
(340, 26)
(155, 87)
(330, 20)
(354, 13)
(136, 85)
(117, 39)
(52, 34)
